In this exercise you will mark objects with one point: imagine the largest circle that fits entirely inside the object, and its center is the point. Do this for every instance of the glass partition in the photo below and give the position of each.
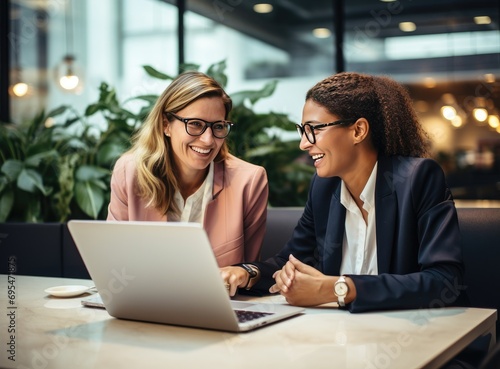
(447, 53)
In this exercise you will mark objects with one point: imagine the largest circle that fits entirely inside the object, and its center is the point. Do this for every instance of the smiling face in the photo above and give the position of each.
(193, 154)
(335, 152)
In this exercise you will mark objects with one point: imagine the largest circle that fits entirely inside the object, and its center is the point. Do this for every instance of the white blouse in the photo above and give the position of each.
(359, 252)
(193, 210)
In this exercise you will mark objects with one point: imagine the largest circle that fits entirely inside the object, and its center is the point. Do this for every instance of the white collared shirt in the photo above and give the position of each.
(360, 242)
(193, 209)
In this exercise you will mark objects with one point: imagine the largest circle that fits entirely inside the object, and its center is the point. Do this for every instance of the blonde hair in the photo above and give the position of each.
(152, 150)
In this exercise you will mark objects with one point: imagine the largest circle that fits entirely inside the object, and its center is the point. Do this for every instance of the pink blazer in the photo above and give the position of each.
(235, 219)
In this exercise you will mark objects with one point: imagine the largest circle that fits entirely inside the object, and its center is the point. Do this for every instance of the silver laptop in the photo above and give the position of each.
(165, 272)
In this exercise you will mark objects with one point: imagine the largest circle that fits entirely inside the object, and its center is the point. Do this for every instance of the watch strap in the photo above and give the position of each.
(341, 298)
(253, 272)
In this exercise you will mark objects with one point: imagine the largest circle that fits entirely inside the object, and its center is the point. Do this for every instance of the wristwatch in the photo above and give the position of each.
(254, 274)
(341, 289)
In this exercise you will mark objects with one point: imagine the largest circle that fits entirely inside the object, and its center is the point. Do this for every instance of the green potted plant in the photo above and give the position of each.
(51, 172)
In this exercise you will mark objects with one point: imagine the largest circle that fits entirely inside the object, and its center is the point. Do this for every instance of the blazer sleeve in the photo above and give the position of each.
(118, 204)
(435, 278)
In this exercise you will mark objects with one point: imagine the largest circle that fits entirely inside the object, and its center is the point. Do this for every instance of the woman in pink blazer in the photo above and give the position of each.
(179, 169)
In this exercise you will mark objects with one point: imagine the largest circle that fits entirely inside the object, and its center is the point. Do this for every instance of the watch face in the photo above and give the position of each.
(341, 289)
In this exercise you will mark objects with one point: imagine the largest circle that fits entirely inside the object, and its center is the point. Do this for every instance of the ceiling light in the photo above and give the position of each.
(321, 32)
(494, 121)
(20, 89)
(263, 8)
(483, 19)
(68, 73)
(480, 114)
(457, 121)
(448, 112)
(407, 26)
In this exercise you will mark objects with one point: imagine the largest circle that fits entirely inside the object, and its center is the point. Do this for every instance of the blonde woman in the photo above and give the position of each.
(179, 169)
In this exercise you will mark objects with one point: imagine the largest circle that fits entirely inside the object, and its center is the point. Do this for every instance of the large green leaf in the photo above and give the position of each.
(12, 168)
(90, 198)
(57, 111)
(151, 99)
(92, 109)
(90, 172)
(240, 97)
(34, 125)
(35, 160)
(109, 152)
(188, 66)
(217, 72)
(155, 73)
(30, 180)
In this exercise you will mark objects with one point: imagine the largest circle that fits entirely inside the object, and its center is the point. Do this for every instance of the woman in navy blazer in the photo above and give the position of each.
(380, 229)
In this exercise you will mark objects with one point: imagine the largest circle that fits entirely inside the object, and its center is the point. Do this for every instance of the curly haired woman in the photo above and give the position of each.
(380, 228)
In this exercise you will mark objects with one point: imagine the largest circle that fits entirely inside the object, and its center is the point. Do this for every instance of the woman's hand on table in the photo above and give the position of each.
(303, 285)
(234, 277)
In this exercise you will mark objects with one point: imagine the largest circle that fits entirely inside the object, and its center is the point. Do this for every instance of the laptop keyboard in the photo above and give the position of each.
(246, 316)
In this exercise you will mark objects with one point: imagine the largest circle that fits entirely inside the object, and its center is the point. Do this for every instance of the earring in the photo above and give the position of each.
(167, 134)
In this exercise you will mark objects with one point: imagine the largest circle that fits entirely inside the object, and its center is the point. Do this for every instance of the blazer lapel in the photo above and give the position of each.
(218, 178)
(210, 219)
(332, 257)
(386, 213)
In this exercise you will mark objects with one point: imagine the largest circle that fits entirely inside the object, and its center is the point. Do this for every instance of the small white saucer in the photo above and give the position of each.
(67, 291)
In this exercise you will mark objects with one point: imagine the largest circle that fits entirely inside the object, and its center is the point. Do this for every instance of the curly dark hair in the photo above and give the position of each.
(386, 104)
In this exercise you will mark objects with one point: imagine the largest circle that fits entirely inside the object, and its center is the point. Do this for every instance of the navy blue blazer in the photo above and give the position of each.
(418, 239)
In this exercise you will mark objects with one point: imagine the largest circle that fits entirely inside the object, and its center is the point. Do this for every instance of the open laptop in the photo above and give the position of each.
(165, 272)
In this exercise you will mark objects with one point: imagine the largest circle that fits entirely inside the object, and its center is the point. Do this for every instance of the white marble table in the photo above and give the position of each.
(47, 332)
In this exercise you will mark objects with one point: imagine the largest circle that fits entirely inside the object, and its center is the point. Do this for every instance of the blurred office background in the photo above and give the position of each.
(446, 52)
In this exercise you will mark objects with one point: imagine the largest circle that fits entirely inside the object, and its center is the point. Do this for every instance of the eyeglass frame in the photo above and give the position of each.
(301, 127)
(207, 124)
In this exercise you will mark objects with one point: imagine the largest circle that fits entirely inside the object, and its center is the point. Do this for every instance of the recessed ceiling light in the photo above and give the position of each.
(263, 8)
(407, 26)
(484, 19)
(387, 1)
(322, 32)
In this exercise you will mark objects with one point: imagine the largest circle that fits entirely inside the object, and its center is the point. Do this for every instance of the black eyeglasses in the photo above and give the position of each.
(309, 128)
(197, 126)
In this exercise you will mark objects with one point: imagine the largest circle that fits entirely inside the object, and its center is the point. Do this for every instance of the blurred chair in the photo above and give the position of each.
(480, 229)
(279, 228)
